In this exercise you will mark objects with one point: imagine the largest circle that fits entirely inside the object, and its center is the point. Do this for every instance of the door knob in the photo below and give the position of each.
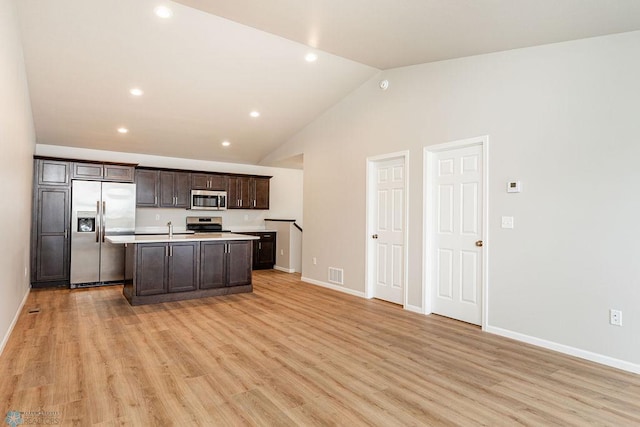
(479, 243)
(375, 236)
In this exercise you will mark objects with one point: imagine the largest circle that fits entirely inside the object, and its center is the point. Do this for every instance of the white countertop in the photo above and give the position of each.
(240, 229)
(164, 238)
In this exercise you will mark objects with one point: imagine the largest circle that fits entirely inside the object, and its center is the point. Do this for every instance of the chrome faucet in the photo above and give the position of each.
(170, 229)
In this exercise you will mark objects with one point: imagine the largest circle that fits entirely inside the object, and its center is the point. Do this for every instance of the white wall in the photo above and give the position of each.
(17, 141)
(285, 187)
(562, 118)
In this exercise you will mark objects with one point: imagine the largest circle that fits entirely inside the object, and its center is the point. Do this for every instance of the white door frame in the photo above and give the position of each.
(428, 220)
(370, 253)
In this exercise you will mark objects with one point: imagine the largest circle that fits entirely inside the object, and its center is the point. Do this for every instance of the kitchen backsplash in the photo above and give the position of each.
(150, 219)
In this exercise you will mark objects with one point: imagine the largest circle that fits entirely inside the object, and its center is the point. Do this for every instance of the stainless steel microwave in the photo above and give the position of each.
(208, 200)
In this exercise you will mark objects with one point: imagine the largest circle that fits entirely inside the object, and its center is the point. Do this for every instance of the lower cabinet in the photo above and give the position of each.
(167, 267)
(225, 264)
(264, 250)
(173, 271)
(50, 237)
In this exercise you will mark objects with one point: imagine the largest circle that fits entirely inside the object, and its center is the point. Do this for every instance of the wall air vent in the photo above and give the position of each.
(335, 275)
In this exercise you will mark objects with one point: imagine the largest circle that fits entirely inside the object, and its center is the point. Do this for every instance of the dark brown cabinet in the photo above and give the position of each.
(103, 172)
(248, 192)
(225, 264)
(238, 193)
(51, 219)
(212, 265)
(147, 188)
(264, 250)
(260, 193)
(166, 267)
(183, 263)
(206, 181)
(51, 260)
(52, 172)
(171, 188)
(175, 189)
(175, 271)
(151, 268)
(238, 263)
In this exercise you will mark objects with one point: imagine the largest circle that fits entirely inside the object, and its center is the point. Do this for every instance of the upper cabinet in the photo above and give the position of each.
(208, 181)
(52, 172)
(147, 188)
(261, 193)
(171, 188)
(175, 189)
(102, 172)
(248, 192)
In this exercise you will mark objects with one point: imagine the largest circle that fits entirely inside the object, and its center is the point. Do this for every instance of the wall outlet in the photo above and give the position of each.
(157, 217)
(246, 217)
(315, 261)
(282, 252)
(615, 317)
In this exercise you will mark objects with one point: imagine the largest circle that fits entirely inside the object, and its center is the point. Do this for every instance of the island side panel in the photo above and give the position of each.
(129, 271)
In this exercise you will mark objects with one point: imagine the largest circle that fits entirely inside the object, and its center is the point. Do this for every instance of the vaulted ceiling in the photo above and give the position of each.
(208, 66)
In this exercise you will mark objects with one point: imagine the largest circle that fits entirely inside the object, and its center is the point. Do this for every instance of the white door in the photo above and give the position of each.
(387, 235)
(456, 233)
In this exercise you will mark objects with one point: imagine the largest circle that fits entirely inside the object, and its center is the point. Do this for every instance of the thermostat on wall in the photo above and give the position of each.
(514, 187)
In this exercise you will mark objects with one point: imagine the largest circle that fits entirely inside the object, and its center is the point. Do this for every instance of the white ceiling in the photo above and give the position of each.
(202, 74)
(395, 33)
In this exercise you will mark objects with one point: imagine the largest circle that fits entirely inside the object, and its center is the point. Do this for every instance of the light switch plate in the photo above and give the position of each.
(507, 222)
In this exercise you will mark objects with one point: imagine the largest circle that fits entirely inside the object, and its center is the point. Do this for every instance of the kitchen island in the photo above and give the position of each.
(163, 268)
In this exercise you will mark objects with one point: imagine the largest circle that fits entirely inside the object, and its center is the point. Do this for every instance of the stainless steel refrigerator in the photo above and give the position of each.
(99, 209)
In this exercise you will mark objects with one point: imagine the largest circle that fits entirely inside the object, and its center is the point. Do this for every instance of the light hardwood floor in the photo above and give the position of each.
(290, 354)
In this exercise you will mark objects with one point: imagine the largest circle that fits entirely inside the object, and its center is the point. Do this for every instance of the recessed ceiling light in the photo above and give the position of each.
(123, 130)
(136, 91)
(163, 12)
(254, 114)
(226, 143)
(311, 57)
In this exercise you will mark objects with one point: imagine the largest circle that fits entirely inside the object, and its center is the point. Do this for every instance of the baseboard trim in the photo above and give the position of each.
(572, 351)
(414, 308)
(5, 340)
(333, 287)
(286, 270)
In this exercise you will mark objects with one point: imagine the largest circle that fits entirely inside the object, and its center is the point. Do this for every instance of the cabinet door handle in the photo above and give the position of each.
(65, 233)
(254, 203)
(259, 245)
(166, 251)
(155, 200)
(170, 250)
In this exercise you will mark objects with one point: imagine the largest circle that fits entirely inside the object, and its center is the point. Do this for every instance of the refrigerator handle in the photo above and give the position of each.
(102, 220)
(97, 226)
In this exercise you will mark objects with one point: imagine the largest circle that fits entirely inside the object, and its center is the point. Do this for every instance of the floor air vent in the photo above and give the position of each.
(335, 275)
